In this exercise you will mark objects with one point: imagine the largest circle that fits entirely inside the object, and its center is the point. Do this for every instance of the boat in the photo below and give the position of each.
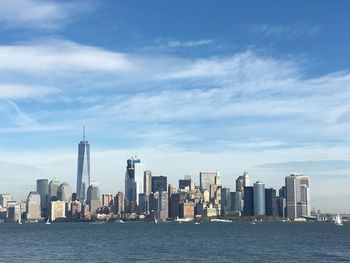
(20, 221)
(252, 222)
(338, 221)
(48, 221)
(120, 221)
(180, 220)
(155, 220)
(196, 223)
(221, 220)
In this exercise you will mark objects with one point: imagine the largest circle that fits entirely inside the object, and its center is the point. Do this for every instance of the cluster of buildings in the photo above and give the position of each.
(149, 196)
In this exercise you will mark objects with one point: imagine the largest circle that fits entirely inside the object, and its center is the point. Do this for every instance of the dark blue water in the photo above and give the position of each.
(186, 242)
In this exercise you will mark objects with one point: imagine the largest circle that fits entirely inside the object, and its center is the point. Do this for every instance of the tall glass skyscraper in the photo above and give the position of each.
(134, 180)
(83, 173)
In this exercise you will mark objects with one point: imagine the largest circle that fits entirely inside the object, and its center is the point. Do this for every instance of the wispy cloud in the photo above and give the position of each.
(191, 43)
(19, 91)
(289, 31)
(38, 14)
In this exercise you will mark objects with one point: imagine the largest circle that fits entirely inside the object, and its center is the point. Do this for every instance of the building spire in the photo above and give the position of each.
(84, 133)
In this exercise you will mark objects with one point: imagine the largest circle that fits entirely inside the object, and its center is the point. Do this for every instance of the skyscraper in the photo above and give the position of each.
(147, 182)
(134, 177)
(241, 182)
(64, 192)
(53, 188)
(248, 208)
(33, 206)
(271, 202)
(42, 187)
(83, 170)
(93, 197)
(206, 179)
(298, 196)
(119, 203)
(259, 199)
(4, 199)
(159, 184)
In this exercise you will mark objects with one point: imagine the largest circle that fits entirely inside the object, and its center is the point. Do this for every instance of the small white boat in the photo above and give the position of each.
(338, 221)
(221, 220)
(155, 220)
(196, 223)
(20, 221)
(120, 221)
(252, 222)
(48, 221)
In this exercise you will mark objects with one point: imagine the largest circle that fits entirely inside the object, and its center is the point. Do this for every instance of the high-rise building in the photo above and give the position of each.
(176, 205)
(107, 199)
(33, 206)
(225, 201)
(119, 203)
(271, 202)
(4, 199)
(248, 208)
(163, 205)
(241, 182)
(53, 188)
(58, 210)
(298, 196)
(188, 209)
(93, 197)
(186, 183)
(206, 179)
(134, 177)
(64, 192)
(147, 182)
(281, 206)
(83, 169)
(259, 199)
(159, 184)
(236, 201)
(42, 187)
(14, 212)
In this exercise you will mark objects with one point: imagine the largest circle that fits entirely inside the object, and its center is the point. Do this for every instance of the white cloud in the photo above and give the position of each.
(37, 14)
(60, 56)
(289, 31)
(193, 43)
(18, 91)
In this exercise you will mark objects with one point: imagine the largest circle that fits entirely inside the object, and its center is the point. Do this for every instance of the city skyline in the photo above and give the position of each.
(236, 89)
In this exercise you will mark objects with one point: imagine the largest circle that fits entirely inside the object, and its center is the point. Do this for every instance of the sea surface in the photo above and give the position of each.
(174, 242)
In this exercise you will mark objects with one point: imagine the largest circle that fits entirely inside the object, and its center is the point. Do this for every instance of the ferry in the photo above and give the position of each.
(220, 220)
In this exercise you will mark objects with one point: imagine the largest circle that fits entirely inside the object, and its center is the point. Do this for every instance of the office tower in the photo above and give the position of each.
(107, 199)
(271, 202)
(154, 204)
(42, 187)
(93, 197)
(282, 192)
(176, 205)
(225, 201)
(119, 203)
(259, 199)
(186, 183)
(236, 201)
(248, 208)
(142, 204)
(242, 181)
(64, 192)
(33, 206)
(134, 177)
(14, 212)
(298, 195)
(163, 205)
(147, 182)
(206, 196)
(83, 169)
(188, 208)
(53, 188)
(281, 206)
(4, 199)
(58, 210)
(75, 208)
(159, 184)
(206, 179)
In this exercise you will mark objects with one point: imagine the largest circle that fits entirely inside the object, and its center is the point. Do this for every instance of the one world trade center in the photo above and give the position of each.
(83, 173)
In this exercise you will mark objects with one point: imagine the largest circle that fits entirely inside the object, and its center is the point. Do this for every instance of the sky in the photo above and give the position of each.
(187, 86)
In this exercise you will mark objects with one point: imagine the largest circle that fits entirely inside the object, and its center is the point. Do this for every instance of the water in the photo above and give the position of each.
(174, 242)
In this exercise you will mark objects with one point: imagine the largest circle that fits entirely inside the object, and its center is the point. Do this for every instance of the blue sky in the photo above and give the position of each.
(261, 86)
